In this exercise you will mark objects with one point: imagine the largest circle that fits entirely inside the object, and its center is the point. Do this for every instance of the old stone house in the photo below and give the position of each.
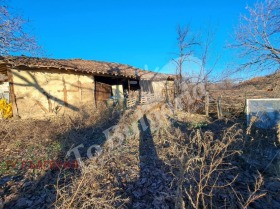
(39, 86)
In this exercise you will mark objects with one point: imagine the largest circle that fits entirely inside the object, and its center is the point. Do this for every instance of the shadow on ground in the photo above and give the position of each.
(151, 189)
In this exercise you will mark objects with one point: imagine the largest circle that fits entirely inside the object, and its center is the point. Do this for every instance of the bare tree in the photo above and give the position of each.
(191, 87)
(186, 42)
(13, 37)
(205, 69)
(258, 36)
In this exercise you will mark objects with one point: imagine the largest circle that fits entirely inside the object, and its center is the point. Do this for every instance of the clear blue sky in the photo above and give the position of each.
(137, 33)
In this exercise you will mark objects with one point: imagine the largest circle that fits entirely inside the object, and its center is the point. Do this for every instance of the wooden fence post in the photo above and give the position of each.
(219, 108)
(245, 105)
(207, 104)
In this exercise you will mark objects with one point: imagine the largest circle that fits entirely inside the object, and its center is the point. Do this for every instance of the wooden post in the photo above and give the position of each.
(80, 89)
(219, 108)
(245, 104)
(12, 94)
(64, 93)
(94, 92)
(207, 104)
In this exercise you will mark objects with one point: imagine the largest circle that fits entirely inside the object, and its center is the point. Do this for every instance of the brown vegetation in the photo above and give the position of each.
(181, 160)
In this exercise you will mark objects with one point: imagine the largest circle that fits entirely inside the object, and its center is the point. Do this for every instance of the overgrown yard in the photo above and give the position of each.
(152, 158)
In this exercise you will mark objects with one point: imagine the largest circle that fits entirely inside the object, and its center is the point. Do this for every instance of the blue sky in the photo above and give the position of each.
(138, 33)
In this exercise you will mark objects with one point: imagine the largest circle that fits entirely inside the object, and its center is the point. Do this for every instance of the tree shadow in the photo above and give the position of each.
(34, 83)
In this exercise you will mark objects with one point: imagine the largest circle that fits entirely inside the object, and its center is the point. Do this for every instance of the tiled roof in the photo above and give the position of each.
(85, 66)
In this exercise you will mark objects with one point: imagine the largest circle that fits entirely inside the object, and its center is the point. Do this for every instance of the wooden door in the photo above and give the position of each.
(103, 91)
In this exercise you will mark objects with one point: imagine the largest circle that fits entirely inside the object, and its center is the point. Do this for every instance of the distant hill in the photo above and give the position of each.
(234, 95)
(265, 83)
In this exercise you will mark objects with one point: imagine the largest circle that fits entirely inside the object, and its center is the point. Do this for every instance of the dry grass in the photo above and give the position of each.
(175, 163)
(25, 141)
(197, 169)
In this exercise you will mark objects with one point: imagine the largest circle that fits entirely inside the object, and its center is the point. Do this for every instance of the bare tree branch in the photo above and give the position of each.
(258, 36)
(13, 37)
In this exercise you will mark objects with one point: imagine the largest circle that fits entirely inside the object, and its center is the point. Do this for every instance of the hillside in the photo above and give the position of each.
(265, 83)
(233, 96)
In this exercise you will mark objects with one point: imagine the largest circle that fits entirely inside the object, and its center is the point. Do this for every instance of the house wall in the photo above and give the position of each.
(40, 93)
(163, 89)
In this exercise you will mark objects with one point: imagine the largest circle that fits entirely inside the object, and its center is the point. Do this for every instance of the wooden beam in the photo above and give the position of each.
(65, 92)
(95, 91)
(80, 91)
(12, 93)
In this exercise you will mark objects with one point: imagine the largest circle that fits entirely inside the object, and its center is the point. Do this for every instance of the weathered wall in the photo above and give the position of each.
(40, 93)
(163, 89)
